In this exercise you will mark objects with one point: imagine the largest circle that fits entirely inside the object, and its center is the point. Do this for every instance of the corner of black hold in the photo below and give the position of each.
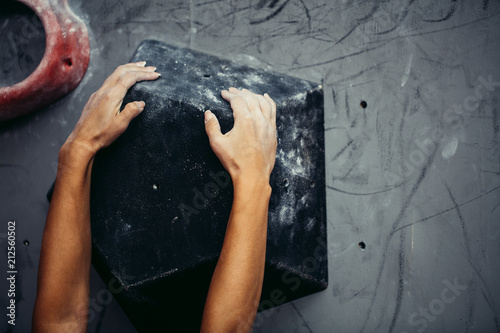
(183, 298)
(288, 285)
(315, 97)
(50, 192)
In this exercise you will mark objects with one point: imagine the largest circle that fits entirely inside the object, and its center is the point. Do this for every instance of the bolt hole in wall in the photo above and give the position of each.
(206, 75)
(286, 183)
(363, 104)
(22, 42)
(362, 245)
(26, 242)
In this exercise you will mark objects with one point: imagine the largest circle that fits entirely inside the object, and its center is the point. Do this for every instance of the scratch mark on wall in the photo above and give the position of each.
(448, 15)
(485, 4)
(270, 16)
(304, 323)
(447, 210)
(353, 193)
(399, 218)
(401, 288)
(406, 74)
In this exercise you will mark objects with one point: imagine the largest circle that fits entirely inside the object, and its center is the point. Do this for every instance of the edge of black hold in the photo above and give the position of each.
(260, 65)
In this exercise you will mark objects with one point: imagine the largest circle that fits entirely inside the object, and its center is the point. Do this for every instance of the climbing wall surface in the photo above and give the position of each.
(412, 98)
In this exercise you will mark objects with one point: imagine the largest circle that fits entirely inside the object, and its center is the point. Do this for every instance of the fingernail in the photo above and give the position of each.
(141, 63)
(140, 105)
(208, 115)
(159, 74)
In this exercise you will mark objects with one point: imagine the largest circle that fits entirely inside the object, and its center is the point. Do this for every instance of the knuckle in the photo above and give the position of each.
(238, 101)
(212, 125)
(123, 77)
(122, 82)
(134, 106)
(247, 117)
(120, 69)
(215, 142)
(128, 108)
(108, 96)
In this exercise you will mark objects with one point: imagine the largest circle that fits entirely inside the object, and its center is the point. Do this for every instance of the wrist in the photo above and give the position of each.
(252, 185)
(74, 154)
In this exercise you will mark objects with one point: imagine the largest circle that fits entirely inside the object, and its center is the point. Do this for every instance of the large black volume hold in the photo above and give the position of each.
(160, 199)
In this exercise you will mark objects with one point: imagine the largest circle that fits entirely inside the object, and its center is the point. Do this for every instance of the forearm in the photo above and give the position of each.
(63, 277)
(63, 274)
(237, 281)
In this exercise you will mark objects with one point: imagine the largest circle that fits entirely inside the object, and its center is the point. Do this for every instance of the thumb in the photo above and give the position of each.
(130, 111)
(212, 125)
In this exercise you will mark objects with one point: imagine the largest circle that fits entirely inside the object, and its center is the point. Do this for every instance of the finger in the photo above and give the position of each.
(128, 79)
(252, 101)
(123, 69)
(273, 109)
(238, 103)
(212, 127)
(120, 123)
(265, 107)
(230, 94)
(130, 111)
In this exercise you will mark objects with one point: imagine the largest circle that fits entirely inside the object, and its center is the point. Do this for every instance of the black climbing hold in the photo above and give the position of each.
(162, 246)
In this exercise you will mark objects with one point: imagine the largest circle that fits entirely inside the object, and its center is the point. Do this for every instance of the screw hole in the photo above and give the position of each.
(362, 245)
(286, 182)
(311, 183)
(363, 104)
(26, 242)
(68, 62)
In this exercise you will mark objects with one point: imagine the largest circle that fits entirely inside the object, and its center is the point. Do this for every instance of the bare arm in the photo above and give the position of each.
(248, 152)
(63, 275)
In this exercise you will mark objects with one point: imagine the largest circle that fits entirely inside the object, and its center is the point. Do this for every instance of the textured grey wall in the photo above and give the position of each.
(415, 175)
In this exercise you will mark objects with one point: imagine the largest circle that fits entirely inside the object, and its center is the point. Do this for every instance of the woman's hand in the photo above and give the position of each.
(248, 150)
(101, 121)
